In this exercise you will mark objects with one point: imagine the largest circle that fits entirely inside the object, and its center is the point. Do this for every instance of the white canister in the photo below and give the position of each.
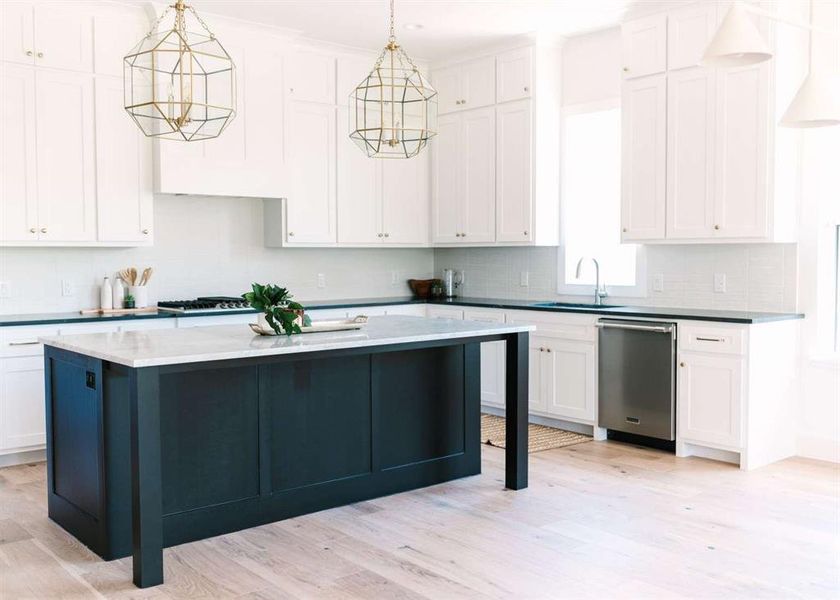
(118, 293)
(106, 300)
(141, 295)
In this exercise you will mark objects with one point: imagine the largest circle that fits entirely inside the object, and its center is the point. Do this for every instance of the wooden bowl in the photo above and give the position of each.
(422, 288)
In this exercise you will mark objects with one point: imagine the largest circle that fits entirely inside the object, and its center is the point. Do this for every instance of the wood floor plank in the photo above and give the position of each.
(601, 519)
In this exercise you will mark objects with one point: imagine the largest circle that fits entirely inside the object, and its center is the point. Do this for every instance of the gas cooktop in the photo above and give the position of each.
(205, 304)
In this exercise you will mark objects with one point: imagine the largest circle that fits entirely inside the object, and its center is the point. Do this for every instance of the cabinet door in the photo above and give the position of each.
(478, 160)
(643, 158)
(572, 384)
(311, 77)
(540, 378)
(690, 30)
(311, 208)
(405, 201)
(447, 176)
(65, 156)
(22, 422)
(478, 83)
(63, 37)
(18, 199)
(514, 172)
(17, 45)
(123, 178)
(447, 83)
(709, 396)
(643, 47)
(359, 192)
(741, 178)
(115, 33)
(514, 74)
(690, 166)
(492, 361)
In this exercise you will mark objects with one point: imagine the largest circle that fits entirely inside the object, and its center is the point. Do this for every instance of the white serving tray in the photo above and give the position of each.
(319, 326)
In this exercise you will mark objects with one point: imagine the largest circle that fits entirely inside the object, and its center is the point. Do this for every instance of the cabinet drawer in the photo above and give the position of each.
(444, 312)
(719, 340)
(564, 326)
(23, 341)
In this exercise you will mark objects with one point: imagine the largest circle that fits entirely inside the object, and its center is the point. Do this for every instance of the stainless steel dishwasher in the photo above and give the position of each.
(636, 377)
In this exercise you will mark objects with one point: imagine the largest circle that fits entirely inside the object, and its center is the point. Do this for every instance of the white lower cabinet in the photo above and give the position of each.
(22, 422)
(710, 398)
(492, 360)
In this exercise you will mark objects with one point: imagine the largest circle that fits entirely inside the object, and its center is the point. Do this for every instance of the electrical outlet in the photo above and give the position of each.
(659, 282)
(523, 278)
(66, 287)
(5, 290)
(720, 282)
(395, 277)
(322, 280)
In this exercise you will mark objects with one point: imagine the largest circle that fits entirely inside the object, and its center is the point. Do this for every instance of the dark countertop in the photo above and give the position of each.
(654, 312)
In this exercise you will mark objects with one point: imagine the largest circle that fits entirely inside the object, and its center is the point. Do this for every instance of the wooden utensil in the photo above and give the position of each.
(147, 274)
(132, 272)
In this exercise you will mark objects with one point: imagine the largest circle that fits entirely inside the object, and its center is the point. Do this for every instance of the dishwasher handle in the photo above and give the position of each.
(655, 328)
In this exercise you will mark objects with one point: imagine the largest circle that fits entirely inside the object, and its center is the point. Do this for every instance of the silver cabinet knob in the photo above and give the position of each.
(387, 234)
(624, 229)
(43, 230)
(29, 53)
(548, 349)
(524, 233)
(625, 69)
(32, 230)
(682, 364)
(145, 232)
(40, 55)
(291, 90)
(378, 235)
(717, 227)
(525, 88)
(291, 234)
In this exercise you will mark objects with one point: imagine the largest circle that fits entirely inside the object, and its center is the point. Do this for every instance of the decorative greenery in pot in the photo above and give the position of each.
(128, 301)
(282, 314)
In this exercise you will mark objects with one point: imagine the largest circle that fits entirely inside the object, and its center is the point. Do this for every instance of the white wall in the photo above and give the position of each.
(592, 67)
(204, 246)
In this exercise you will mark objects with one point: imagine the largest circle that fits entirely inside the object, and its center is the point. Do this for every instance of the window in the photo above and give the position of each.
(837, 289)
(591, 205)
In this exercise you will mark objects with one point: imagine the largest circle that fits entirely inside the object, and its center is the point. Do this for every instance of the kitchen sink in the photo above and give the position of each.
(574, 305)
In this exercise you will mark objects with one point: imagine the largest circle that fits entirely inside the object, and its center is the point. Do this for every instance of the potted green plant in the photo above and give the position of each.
(279, 311)
(128, 301)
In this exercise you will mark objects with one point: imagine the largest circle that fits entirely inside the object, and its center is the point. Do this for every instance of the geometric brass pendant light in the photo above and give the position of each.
(179, 84)
(393, 111)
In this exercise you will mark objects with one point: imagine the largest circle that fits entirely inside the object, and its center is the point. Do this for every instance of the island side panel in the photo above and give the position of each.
(516, 411)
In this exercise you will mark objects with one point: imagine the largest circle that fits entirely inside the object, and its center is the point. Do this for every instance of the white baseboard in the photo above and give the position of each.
(819, 448)
(548, 422)
(22, 458)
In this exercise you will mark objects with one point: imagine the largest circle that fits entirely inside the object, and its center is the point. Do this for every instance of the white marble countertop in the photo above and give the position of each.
(200, 344)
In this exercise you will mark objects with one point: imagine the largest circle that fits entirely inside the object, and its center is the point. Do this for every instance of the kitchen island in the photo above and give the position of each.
(157, 438)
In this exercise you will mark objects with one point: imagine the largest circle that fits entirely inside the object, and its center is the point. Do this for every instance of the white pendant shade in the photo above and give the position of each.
(816, 104)
(737, 42)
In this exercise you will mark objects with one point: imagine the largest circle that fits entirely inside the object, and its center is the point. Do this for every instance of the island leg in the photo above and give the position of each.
(147, 506)
(516, 411)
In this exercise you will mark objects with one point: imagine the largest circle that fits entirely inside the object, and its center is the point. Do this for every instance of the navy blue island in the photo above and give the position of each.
(162, 437)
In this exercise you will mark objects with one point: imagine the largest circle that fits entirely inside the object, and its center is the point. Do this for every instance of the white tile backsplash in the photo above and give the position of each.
(759, 277)
(205, 246)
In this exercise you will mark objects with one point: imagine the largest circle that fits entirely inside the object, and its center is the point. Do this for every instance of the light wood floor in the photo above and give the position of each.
(602, 520)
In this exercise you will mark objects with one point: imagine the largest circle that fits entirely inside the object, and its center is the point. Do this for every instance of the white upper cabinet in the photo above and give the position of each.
(514, 74)
(463, 198)
(446, 181)
(18, 43)
(66, 172)
(643, 122)
(311, 205)
(690, 29)
(691, 154)
(350, 72)
(720, 140)
(123, 185)
(405, 201)
(643, 47)
(466, 85)
(359, 192)
(248, 159)
(63, 37)
(18, 195)
(514, 172)
(311, 76)
(741, 169)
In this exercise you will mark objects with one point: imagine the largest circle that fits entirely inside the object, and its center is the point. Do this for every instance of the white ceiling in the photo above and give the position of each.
(449, 26)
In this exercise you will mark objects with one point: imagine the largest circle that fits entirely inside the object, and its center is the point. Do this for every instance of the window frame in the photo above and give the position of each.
(640, 290)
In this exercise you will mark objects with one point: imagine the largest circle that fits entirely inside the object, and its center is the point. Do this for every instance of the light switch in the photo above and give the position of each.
(322, 280)
(659, 282)
(720, 282)
(523, 278)
(66, 287)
